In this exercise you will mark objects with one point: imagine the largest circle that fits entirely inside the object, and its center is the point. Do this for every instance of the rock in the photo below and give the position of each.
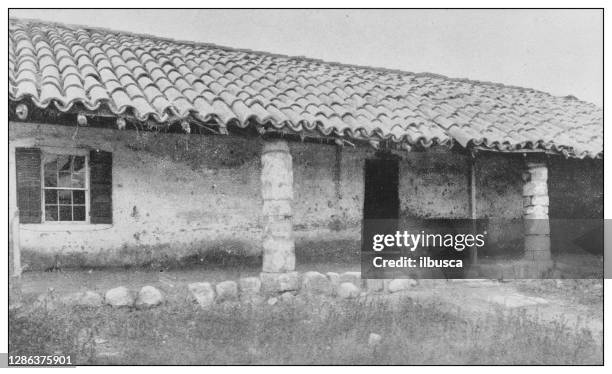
(374, 340)
(119, 297)
(375, 285)
(348, 290)
(272, 301)
(90, 299)
(351, 277)
(249, 286)
(148, 297)
(203, 293)
(279, 282)
(227, 291)
(397, 285)
(279, 253)
(334, 280)
(316, 283)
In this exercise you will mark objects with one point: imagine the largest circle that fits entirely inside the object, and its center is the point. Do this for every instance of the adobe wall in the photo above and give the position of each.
(575, 189)
(173, 196)
(178, 196)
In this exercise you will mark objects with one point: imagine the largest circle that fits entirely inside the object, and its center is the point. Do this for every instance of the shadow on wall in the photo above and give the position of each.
(347, 251)
(221, 253)
(198, 152)
(575, 189)
(231, 253)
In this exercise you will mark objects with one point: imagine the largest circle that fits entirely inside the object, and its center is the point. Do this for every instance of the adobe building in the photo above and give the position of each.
(129, 149)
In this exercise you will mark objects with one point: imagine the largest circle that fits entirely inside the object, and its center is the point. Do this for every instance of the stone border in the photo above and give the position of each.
(268, 286)
(283, 286)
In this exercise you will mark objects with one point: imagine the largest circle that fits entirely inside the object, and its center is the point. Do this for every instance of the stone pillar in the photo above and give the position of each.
(535, 211)
(277, 193)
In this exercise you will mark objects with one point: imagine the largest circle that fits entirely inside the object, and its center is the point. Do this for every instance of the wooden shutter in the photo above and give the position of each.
(28, 171)
(101, 187)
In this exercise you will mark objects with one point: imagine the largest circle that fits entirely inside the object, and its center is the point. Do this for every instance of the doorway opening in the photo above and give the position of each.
(381, 199)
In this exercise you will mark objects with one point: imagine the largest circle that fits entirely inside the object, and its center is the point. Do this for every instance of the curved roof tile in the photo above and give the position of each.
(156, 78)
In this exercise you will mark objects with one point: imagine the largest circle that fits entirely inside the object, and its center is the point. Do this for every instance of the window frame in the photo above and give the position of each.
(64, 152)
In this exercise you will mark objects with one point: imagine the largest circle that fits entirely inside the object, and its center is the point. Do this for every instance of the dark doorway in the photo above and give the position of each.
(381, 199)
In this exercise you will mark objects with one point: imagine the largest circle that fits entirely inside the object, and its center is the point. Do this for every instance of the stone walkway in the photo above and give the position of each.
(478, 298)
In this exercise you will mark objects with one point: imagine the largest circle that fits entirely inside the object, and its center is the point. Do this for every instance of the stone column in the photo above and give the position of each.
(277, 192)
(535, 211)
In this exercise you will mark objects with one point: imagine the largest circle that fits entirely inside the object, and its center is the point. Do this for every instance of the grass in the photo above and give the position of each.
(316, 331)
(585, 292)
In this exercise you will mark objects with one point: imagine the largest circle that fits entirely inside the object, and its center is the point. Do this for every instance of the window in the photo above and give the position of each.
(65, 194)
(62, 185)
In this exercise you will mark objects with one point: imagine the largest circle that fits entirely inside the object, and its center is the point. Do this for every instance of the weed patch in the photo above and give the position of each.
(315, 332)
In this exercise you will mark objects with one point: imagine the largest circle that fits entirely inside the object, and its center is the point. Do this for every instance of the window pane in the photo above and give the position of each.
(50, 164)
(78, 197)
(79, 212)
(62, 173)
(65, 213)
(51, 174)
(50, 197)
(50, 212)
(78, 164)
(50, 179)
(63, 162)
(65, 197)
(64, 179)
(78, 180)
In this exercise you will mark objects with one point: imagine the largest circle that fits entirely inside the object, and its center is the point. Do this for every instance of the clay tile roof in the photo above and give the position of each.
(162, 80)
